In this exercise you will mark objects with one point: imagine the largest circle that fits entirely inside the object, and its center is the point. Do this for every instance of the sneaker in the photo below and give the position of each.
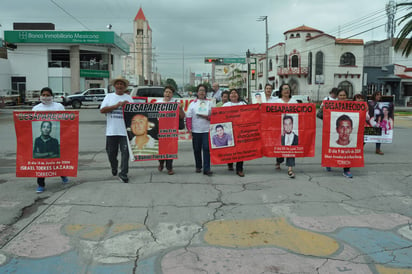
(328, 169)
(124, 180)
(208, 173)
(40, 189)
(65, 180)
(114, 172)
(347, 174)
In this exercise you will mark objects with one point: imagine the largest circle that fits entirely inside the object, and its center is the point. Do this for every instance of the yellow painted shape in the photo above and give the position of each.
(387, 270)
(119, 228)
(89, 232)
(269, 232)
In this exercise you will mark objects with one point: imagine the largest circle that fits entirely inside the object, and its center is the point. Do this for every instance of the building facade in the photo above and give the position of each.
(313, 62)
(67, 61)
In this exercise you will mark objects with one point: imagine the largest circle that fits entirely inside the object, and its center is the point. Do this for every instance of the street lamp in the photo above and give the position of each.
(248, 72)
(265, 18)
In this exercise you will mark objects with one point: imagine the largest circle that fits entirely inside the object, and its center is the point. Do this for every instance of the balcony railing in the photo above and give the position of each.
(293, 71)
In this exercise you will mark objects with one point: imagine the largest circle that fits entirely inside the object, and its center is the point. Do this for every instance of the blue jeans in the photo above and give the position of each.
(289, 161)
(113, 143)
(200, 141)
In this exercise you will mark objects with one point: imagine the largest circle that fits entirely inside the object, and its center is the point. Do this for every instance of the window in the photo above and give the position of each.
(292, 36)
(59, 58)
(297, 35)
(285, 61)
(295, 61)
(270, 64)
(347, 59)
(319, 63)
(310, 68)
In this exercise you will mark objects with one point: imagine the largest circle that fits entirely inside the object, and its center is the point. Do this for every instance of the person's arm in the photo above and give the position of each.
(113, 107)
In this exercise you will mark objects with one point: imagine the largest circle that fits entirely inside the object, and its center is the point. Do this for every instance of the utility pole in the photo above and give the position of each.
(265, 18)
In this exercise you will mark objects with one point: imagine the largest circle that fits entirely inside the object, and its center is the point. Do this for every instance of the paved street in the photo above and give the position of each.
(319, 222)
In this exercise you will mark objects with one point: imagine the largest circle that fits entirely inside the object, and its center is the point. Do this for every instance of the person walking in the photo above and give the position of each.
(168, 92)
(116, 134)
(285, 97)
(374, 104)
(234, 100)
(42, 147)
(198, 123)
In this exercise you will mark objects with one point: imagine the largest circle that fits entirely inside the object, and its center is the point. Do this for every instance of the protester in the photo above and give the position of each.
(374, 104)
(268, 94)
(216, 93)
(285, 97)
(225, 98)
(235, 101)
(42, 148)
(333, 94)
(116, 134)
(198, 125)
(168, 92)
(342, 96)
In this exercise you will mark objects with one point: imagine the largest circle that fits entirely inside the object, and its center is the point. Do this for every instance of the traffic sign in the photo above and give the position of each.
(234, 60)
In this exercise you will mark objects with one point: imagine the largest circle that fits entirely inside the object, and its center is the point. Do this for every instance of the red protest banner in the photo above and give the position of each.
(342, 134)
(235, 134)
(288, 130)
(47, 143)
(152, 130)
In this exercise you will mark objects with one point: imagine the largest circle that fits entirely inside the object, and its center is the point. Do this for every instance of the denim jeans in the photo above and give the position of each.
(169, 164)
(200, 141)
(289, 161)
(113, 144)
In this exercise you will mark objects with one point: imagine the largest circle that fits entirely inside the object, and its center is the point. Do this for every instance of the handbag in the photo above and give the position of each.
(319, 114)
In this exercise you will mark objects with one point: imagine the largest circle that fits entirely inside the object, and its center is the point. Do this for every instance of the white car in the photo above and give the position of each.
(59, 95)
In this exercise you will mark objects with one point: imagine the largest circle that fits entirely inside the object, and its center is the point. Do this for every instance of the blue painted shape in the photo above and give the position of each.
(384, 247)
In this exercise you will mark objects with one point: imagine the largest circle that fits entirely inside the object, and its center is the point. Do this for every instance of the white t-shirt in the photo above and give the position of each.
(229, 104)
(115, 122)
(272, 99)
(48, 107)
(291, 101)
(199, 124)
(329, 98)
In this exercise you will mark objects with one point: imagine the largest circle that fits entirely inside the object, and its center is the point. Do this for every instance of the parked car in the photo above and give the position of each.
(9, 97)
(59, 96)
(89, 97)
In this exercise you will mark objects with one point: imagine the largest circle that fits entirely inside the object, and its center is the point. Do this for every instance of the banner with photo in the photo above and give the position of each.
(380, 121)
(342, 134)
(152, 130)
(288, 130)
(47, 143)
(258, 97)
(235, 134)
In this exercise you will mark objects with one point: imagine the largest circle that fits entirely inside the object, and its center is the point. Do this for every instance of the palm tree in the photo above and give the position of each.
(406, 32)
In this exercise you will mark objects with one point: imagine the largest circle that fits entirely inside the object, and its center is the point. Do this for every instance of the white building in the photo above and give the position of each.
(66, 61)
(313, 62)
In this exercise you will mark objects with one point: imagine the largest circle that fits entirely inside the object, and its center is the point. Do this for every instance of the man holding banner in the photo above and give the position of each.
(116, 135)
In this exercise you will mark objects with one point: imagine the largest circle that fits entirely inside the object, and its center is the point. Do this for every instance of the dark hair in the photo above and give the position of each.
(201, 85)
(169, 87)
(343, 117)
(375, 94)
(237, 92)
(226, 92)
(218, 126)
(268, 85)
(50, 123)
(344, 90)
(46, 89)
(356, 96)
(334, 91)
(257, 93)
(287, 117)
(281, 88)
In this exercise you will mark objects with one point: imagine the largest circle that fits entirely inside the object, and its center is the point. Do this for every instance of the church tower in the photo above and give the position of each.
(142, 40)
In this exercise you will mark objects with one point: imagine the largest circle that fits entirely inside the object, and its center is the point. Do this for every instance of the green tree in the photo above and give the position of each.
(405, 32)
(171, 82)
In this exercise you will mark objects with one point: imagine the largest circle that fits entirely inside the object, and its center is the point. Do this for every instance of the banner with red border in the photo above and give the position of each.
(342, 134)
(47, 143)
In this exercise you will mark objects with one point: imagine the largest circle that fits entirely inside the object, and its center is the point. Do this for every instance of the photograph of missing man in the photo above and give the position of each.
(221, 135)
(46, 141)
(344, 129)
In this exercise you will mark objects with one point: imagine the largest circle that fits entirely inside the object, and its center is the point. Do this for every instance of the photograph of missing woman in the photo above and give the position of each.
(46, 141)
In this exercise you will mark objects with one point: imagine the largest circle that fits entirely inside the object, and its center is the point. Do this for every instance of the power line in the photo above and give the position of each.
(65, 11)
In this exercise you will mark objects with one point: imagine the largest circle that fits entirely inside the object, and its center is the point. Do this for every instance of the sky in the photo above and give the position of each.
(187, 31)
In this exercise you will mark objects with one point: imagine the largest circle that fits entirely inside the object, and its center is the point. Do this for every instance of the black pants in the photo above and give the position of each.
(113, 144)
(169, 164)
(239, 166)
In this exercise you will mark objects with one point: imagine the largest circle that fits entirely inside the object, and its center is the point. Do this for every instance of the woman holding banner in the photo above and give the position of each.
(374, 103)
(198, 123)
(47, 104)
(345, 124)
(168, 92)
(285, 97)
(234, 100)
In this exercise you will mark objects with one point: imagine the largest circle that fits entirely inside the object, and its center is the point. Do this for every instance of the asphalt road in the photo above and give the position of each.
(319, 222)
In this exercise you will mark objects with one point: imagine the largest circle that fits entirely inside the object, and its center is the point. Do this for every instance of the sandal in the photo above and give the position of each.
(291, 174)
(160, 168)
(277, 166)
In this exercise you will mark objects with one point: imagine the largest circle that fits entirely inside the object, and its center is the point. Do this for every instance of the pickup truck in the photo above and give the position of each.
(88, 97)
